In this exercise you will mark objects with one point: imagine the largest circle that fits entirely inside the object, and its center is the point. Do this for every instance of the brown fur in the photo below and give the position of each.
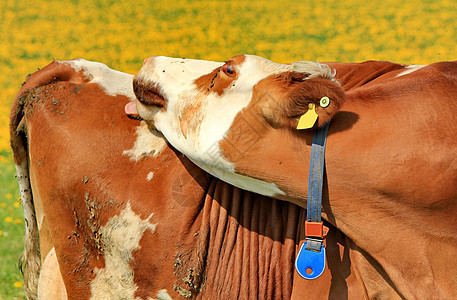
(391, 168)
(210, 241)
(29, 95)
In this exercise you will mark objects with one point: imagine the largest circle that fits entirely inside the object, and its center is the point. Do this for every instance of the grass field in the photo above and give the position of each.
(122, 33)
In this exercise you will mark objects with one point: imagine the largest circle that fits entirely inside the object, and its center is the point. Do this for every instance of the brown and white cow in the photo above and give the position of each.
(117, 214)
(391, 158)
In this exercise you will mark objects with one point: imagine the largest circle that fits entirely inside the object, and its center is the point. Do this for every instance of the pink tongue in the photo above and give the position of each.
(130, 109)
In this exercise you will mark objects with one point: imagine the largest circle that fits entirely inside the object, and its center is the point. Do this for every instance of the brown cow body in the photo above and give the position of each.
(391, 158)
(121, 215)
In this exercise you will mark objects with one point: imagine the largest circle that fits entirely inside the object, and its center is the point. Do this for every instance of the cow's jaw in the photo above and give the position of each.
(195, 119)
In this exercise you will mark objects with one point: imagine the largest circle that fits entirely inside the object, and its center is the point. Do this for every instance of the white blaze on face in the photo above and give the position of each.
(112, 81)
(219, 112)
(175, 79)
(120, 237)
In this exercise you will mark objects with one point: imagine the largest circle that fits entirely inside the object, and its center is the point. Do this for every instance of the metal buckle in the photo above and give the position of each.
(314, 244)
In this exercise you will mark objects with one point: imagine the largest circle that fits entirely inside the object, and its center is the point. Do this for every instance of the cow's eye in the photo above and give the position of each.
(228, 69)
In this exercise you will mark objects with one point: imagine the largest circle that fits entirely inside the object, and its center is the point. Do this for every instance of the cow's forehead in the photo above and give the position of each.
(251, 69)
(191, 69)
(167, 67)
(260, 64)
(254, 68)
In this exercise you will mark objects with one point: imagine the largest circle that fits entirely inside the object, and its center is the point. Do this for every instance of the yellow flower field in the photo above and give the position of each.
(122, 33)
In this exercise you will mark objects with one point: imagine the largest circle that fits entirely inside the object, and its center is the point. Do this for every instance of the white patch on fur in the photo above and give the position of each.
(163, 295)
(112, 81)
(410, 69)
(148, 143)
(150, 175)
(176, 77)
(175, 74)
(50, 283)
(218, 112)
(243, 182)
(120, 236)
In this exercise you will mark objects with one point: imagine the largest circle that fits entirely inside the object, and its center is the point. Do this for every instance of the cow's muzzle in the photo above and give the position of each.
(148, 93)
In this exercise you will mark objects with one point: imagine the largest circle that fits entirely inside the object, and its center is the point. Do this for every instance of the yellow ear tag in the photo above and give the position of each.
(309, 118)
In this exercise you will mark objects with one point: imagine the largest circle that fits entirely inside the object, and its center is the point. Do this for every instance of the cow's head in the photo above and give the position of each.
(238, 120)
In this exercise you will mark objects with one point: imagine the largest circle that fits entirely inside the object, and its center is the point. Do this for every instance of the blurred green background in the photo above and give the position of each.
(122, 33)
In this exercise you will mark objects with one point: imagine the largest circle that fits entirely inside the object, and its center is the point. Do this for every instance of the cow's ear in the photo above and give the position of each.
(312, 102)
(299, 99)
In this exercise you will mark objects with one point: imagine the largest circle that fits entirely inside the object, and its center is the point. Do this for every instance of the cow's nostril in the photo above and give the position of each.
(148, 93)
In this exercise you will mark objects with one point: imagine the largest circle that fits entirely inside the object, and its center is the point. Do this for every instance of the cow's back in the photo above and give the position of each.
(90, 194)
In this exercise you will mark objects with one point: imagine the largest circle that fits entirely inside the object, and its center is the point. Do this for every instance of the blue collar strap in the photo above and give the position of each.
(310, 262)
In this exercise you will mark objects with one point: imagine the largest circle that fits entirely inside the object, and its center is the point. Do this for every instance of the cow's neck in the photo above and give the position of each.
(240, 243)
(387, 195)
(385, 191)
